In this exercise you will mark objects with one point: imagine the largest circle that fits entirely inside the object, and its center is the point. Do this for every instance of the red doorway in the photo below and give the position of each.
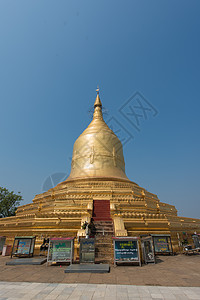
(101, 210)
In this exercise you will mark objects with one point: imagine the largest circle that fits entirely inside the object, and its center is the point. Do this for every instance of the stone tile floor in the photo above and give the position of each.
(173, 277)
(62, 291)
(179, 270)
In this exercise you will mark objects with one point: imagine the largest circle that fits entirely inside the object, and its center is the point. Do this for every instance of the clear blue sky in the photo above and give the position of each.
(52, 56)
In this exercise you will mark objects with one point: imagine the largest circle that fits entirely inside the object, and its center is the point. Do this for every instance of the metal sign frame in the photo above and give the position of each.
(169, 242)
(17, 241)
(90, 251)
(196, 241)
(144, 253)
(2, 243)
(128, 239)
(70, 260)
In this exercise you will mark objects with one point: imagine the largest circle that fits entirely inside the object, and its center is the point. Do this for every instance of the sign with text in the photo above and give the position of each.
(60, 250)
(2, 242)
(162, 243)
(126, 250)
(23, 246)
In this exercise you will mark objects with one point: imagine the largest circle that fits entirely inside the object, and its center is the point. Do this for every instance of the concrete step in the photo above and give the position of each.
(103, 230)
(103, 261)
(108, 222)
(104, 254)
(102, 218)
(105, 245)
(105, 223)
(101, 253)
(106, 235)
(102, 241)
(101, 238)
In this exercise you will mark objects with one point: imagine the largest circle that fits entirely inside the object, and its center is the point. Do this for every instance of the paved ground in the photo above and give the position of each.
(177, 271)
(25, 290)
(173, 277)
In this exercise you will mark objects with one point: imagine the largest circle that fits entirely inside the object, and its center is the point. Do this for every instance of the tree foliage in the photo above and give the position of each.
(9, 201)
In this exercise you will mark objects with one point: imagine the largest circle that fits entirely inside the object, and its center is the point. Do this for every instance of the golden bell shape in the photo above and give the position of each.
(97, 152)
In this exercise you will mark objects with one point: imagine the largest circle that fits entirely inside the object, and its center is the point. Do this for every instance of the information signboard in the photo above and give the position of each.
(162, 243)
(147, 249)
(87, 250)
(126, 250)
(60, 250)
(2, 242)
(23, 246)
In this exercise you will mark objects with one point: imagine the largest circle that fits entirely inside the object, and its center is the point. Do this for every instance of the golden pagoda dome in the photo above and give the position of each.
(97, 152)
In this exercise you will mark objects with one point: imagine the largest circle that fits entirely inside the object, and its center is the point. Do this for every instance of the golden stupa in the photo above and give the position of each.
(97, 187)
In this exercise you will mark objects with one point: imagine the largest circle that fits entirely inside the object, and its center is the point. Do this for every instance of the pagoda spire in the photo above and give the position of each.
(97, 107)
(97, 101)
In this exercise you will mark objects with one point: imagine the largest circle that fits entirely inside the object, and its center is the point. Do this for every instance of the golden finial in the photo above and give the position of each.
(97, 101)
